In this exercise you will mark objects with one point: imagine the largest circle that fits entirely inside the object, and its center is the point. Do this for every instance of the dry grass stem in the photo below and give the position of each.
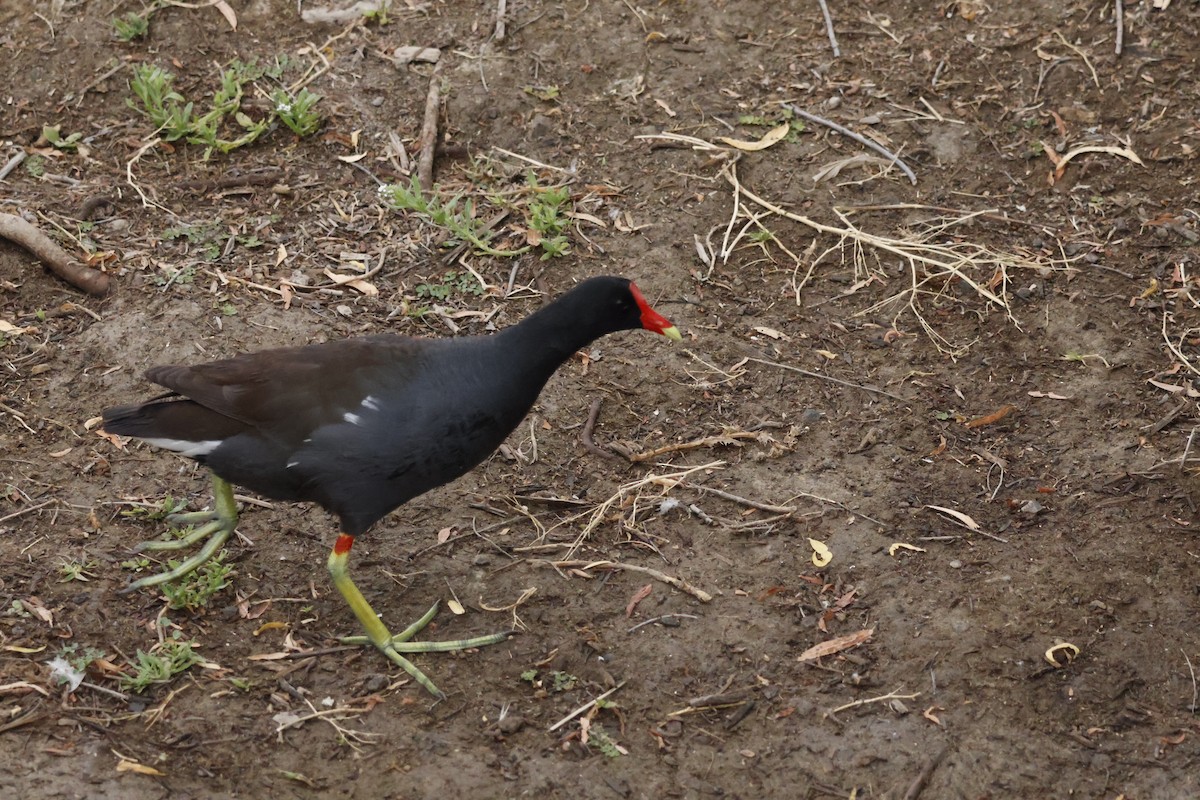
(864, 141)
(579, 565)
(869, 700)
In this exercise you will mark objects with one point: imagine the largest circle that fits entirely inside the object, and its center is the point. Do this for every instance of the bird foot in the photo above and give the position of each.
(218, 525)
(393, 645)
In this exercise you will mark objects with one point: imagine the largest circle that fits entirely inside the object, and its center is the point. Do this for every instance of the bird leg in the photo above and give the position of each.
(378, 634)
(220, 522)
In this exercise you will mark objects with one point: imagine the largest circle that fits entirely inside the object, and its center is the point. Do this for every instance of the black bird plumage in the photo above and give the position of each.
(361, 426)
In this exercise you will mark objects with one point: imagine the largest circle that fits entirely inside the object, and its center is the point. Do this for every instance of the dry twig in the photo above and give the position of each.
(864, 141)
(837, 52)
(429, 130)
(584, 566)
(59, 262)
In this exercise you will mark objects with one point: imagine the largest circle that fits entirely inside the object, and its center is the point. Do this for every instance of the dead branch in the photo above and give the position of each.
(584, 566)
(864, 141)
(429, 130)
(59, 262)
(586, 435)
(1119, 13)
(501, 10)
(708, 441)
(837, 52)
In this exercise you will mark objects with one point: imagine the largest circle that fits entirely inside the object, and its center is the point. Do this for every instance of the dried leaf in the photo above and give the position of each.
(455, 607)
(1068, 651)
(1049, 395)
(443, 535)
(771, 137)
(958, 516)
(929, 715)
(228, 14)
(771, 332)
(12, 330)
(898, 546)
(638, 596)
(822, 555)
(141, 769)
(836, 645)
(993, 418)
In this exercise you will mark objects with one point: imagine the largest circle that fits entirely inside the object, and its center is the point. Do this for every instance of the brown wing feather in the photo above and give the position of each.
(288, 387)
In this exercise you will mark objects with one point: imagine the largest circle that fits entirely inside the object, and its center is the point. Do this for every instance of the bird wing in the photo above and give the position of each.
(293, 388)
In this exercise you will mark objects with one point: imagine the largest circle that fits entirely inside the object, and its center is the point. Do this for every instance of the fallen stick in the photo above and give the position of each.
(59, 261)
(586, 435)
(429, 130)
(708, 441)
(583, 708)
(864, 141)
(682, 585)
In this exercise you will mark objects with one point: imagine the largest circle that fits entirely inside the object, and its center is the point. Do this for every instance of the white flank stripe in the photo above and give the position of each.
(353, 419)
(291, 464)
(184, 447)
(370, 403)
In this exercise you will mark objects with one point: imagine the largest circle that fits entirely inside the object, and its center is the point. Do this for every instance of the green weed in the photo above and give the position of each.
(296, 112)
(74, 571)
(195, 589)
(224, 126)
(452, 283)
(455, 215)
(53, 135)
(131, 26)
(80, 659)
(164, 661)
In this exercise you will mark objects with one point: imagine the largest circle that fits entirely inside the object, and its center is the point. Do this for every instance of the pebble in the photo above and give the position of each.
(955, 564)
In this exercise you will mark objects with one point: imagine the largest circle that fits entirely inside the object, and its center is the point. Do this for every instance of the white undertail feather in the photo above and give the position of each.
(184, 447)
(353, 419)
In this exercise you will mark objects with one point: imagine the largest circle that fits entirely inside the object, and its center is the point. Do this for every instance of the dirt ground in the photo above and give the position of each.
(1012, 338)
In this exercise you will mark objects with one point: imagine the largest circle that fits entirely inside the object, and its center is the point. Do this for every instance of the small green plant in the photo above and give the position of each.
(131, 26)
(604, 743)
(547, 218)
(562, 681)
(53, 135)
(379, 14)
(229, 310)
(209, 238)
(547, 94)
(195, 589)
(452, 283)
(176, 118)
(297, 112)
(455, 215)
(78, 658)
(157, 511)
(17, 609)
(74, 571)
(160, 103)
(35, 166)
(164, 661)
(136, 564)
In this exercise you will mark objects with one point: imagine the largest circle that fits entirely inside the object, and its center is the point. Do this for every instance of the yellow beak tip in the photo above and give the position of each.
(673, 334)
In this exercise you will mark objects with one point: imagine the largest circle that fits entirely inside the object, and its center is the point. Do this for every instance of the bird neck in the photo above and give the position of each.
(545, 339)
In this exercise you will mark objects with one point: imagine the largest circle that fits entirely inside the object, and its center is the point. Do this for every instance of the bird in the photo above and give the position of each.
(361, 426)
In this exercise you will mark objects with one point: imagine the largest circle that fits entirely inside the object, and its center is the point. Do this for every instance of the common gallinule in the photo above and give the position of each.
(362, 426)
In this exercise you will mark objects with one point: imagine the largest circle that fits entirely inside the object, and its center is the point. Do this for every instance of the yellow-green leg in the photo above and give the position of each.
(220, 523)
(378, 634)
